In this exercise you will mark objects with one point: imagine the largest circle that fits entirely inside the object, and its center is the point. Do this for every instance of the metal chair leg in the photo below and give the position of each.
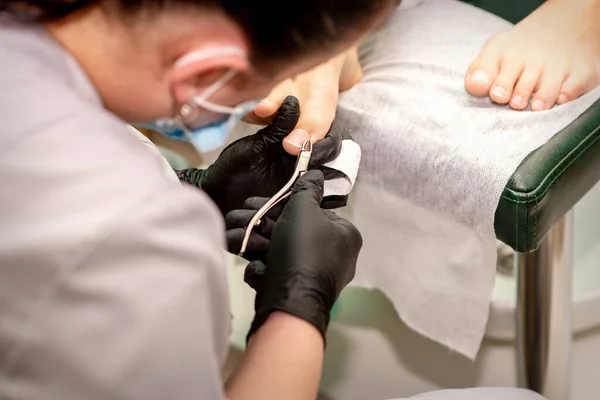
(544, 303)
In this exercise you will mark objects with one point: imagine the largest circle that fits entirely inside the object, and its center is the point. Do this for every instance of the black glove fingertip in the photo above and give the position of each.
(254, 274)
(257, 246)
(289, 107)
(284, 122)
(238, 218)
(234, 239)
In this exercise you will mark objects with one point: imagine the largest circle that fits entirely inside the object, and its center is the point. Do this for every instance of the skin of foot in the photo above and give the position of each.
(551, 57)
(318, 92)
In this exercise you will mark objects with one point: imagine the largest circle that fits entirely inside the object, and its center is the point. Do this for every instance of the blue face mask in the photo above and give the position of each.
(204, 138)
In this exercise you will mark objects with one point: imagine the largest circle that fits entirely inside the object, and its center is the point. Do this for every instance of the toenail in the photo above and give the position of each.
(480, 76)
(499, 91)
(538, 104)
(562, 98)
(517, 100)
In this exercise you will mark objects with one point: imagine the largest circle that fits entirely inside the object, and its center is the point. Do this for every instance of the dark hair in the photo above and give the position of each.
(276, 29)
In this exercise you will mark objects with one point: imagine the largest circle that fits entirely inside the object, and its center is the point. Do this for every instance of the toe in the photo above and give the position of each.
(573, 87)
(481, 73)
(502, 88)
(548, 91)
(524, 88)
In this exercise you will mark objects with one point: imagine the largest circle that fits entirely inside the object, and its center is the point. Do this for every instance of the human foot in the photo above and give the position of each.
(318, 91)
(553, 54)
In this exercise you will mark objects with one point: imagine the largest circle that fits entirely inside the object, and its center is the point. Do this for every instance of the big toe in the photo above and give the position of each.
(478, 82)
(481, 74)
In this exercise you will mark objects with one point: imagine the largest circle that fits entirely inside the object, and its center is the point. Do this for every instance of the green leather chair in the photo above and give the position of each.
(534, 218)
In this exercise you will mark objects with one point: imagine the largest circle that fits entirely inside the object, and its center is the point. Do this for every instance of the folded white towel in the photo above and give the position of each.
(347, 163)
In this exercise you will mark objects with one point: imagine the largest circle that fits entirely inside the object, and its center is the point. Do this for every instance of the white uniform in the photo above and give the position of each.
(112, 278)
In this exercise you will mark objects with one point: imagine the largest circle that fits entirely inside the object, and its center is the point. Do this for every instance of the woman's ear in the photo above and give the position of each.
(200, 68)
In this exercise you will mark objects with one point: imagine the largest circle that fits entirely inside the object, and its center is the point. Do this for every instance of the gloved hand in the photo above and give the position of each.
(236, 222)
(311, 256)
(258, 165)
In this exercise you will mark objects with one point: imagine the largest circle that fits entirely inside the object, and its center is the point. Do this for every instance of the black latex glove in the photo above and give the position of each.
(236, 222)
(311, 256)
(257, 165)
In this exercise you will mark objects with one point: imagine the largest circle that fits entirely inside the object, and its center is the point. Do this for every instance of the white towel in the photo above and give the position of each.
(435, 162)
(347, 162)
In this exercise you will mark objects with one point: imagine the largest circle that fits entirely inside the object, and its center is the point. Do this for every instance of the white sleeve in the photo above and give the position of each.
(143, 315)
